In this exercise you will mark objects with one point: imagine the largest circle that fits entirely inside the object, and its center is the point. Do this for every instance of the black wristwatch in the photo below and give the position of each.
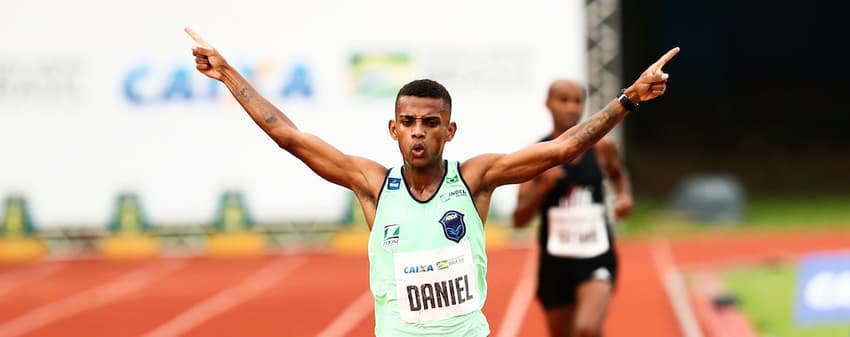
(626, 102)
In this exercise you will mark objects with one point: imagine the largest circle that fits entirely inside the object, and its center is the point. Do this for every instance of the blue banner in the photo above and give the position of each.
(823, 289)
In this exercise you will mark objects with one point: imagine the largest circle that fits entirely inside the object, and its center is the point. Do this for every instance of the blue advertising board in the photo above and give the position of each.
(822, 294)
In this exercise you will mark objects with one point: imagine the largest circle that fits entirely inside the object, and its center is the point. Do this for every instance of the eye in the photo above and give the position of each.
(407, 121)
(432, 122)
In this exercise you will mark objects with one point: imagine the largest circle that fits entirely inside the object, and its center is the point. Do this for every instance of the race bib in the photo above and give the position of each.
(577, 231)
(436, 284)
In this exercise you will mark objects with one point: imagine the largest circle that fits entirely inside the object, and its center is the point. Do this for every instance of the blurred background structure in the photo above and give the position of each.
(758, 95)
(140, 200)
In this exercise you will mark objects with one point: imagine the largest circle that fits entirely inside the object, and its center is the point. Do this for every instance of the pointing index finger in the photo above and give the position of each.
(198, 39)
(666, 58)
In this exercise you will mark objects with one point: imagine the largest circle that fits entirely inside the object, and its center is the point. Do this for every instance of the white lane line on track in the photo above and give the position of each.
(14, 279)
(109, 292)
(674, 285)
(348, 319)
(520, 298)
(225, 300)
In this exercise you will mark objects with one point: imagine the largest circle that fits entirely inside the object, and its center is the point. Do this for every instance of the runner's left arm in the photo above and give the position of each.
(491, 171)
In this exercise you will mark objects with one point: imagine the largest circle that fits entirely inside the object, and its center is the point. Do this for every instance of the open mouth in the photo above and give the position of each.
(418, 150)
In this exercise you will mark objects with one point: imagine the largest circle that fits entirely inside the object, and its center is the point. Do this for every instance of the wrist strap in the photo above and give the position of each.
(626, 102)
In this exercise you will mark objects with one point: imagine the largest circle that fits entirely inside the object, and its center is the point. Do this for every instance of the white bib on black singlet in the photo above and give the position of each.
(577, 228)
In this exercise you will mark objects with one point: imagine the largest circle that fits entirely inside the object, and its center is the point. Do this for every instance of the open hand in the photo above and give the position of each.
(653, 81)
(207, 60)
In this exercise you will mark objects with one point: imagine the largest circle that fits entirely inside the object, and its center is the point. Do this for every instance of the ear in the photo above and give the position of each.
(391, 127)
(451, 129)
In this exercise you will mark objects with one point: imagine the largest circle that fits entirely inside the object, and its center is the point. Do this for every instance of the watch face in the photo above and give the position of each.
(626, 102)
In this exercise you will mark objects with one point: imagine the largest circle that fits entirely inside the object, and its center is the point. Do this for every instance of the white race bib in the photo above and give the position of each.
(436, 284)
(577, 231)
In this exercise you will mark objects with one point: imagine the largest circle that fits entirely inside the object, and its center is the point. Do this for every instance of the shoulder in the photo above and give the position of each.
(473, 169)
(371, 176)
(478, 164)
(370, 168)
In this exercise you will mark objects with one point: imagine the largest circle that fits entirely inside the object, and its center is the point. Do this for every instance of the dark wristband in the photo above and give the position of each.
(626, 102)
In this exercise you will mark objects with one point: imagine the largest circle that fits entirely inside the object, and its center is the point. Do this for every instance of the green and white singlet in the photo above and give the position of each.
(427, 259)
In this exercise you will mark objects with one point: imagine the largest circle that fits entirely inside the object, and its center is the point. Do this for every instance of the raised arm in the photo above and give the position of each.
(497, 170)
(361, 175)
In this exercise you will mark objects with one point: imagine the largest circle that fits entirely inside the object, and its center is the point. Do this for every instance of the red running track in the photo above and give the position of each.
(323, 294)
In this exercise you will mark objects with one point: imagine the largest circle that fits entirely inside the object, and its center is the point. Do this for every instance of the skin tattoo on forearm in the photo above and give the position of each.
(590, 132)
(244, 94)
(268, 115)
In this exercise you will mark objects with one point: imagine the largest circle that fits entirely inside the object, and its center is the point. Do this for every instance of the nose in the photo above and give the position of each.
(418, 129)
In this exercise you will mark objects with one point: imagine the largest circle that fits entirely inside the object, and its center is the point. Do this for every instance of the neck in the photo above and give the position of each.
(424, 181)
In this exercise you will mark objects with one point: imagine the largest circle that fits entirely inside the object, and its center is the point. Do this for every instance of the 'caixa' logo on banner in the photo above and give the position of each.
(149, 83)
(823, 290)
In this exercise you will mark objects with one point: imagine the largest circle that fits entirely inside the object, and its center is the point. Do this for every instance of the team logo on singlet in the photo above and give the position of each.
(391, 234)
(453, 226)
(451, 180)
(393, 183)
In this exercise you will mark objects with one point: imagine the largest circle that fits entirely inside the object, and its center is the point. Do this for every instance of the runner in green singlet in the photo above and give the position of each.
(427, 260)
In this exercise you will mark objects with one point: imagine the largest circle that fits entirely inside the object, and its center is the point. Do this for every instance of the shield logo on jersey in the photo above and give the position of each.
(453, 226)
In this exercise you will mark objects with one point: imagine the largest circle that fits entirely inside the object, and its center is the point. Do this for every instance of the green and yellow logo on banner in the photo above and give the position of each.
(129, 217)
(379, 74)
(233, 224)
(352, 213)
(16, 218)
(232, 215)
(17, 240)
(131, 238)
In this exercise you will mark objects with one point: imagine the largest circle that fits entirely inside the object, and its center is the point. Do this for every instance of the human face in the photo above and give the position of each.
(422, 127)
(566, 103)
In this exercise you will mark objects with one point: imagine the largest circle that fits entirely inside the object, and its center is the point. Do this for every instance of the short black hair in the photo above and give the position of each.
(428, 89)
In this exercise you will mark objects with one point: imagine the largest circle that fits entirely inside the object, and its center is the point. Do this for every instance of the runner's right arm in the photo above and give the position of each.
(358, 174)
